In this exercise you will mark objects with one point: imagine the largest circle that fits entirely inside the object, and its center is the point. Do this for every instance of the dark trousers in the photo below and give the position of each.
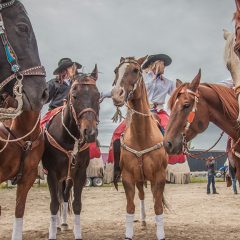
(211, 180)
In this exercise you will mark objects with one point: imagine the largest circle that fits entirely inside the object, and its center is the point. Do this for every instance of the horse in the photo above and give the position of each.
(236, 17)
(142, 154)
(233, 63)
(22, 93)
(193, 106)
(66, 155)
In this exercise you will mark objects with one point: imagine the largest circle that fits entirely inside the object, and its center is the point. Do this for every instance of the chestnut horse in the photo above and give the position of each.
(193, 106)
(142, 154)
(66, 156)
(22, 81)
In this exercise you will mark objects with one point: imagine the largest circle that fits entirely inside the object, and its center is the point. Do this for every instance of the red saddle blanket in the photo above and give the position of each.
(120, 129)
(93, 148)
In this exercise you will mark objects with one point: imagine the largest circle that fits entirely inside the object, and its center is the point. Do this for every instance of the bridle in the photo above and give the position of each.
(190, 119)
(17, 72)
(136, 84)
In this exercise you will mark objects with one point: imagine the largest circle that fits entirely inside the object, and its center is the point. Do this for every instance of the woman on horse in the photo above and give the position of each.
(158, 87)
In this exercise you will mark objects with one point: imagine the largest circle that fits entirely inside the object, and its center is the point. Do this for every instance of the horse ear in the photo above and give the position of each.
(122, 59)
(238, 4)
(226, 34)
(195, 82)
(94, 73)
(178, 83)
(142, 60)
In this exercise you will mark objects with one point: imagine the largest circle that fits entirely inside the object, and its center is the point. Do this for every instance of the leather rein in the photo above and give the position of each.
(79, 144)
(17, 72)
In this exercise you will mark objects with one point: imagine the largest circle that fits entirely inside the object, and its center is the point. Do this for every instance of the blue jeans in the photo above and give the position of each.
(211, 180)
(233, 177)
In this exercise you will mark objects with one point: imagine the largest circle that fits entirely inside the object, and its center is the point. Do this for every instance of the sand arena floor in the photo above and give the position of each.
(193, 214)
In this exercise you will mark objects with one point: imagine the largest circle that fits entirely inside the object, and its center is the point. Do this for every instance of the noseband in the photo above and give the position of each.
(17, 72)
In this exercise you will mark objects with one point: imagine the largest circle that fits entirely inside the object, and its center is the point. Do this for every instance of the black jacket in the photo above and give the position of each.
(57, 93)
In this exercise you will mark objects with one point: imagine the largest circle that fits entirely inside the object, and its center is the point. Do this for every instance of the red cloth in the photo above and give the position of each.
(120, 129)
(49, 115)
(94, 151)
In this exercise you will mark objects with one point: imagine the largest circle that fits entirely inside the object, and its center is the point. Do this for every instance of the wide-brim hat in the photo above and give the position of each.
(65, 63)
(157, 57)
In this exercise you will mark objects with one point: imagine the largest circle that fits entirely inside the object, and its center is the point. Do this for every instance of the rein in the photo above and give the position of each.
(12, 59)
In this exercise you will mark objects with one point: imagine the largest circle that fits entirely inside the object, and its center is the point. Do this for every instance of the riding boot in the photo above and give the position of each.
(117, 169)
(117, 174)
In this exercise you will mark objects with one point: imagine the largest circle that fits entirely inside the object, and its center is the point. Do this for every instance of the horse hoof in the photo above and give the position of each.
(64, 227)
(144, 224)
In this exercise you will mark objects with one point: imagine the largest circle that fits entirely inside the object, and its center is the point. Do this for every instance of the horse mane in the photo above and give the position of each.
(226, 96)
(229, 48)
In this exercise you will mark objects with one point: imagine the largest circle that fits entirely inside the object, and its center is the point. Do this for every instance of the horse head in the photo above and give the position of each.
(128, 74)
(19, 57)
(84, 104)
(188, 116)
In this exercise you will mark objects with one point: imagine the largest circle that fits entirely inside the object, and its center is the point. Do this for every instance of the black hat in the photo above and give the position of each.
(65, 63)
(157, 57)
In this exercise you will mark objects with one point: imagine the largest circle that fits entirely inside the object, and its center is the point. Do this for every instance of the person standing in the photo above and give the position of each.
(211, 175)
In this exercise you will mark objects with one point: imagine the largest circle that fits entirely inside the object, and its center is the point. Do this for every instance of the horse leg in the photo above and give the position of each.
(66, 195)
(157, 190)
(79, 182)
(29, 176)
(142, 204)
(129, 187)
(117, 170)
(54, 204)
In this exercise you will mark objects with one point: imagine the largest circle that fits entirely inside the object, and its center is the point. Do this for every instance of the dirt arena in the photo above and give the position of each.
(193, 214)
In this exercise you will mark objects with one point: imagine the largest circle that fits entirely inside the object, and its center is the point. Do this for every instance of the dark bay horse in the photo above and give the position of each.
(142, 154)
(193, 106)
(22, 80)
(66, 156)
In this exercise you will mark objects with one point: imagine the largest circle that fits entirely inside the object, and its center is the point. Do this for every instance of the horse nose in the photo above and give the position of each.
(90, 134)
(118, 94)
(168, 146)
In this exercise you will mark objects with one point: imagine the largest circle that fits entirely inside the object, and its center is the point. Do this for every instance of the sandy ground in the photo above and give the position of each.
(193, 214)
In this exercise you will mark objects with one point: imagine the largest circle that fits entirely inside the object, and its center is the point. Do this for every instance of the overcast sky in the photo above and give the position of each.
(101, 31)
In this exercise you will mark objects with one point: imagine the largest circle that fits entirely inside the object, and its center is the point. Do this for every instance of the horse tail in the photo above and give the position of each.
(65, 194)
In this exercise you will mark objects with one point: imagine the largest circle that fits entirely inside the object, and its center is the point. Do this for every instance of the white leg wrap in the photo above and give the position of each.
(77, 227)
(58, 220)
(53, 227)
(142, 211)
(64, 212)
(17, 229)
(129, 225)
(160, 228)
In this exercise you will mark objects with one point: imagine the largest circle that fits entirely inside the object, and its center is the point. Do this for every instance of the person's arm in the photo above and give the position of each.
(171, 88)
(105, 95)
(51, 90)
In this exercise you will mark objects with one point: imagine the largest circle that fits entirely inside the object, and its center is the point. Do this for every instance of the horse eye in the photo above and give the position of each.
(74, 96)
(186, 105)
(23, 28)
(135, 70)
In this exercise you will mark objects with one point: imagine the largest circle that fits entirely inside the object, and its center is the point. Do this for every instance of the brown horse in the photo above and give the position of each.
(66, 156)
(193, 106)
(23, 92)
(142, 155)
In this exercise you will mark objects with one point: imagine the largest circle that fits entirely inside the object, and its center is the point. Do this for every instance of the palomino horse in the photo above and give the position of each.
(237, 28)
(193, 106)
(21, 143)
(233, 63)
(142, 154)
(66, 156)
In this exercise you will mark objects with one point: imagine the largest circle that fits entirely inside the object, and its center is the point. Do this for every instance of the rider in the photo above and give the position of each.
(158, 87)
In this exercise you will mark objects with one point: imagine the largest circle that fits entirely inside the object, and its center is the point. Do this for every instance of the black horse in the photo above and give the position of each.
(66, 154)
(22, 148)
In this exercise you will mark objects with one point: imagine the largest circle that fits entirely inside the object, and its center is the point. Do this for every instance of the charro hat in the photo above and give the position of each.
(65, 63)
(157, 57)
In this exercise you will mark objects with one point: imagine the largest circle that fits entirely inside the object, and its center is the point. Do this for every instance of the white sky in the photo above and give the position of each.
(101, 31)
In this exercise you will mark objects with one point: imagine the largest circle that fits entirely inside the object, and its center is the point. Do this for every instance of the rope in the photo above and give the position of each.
(117, 117)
